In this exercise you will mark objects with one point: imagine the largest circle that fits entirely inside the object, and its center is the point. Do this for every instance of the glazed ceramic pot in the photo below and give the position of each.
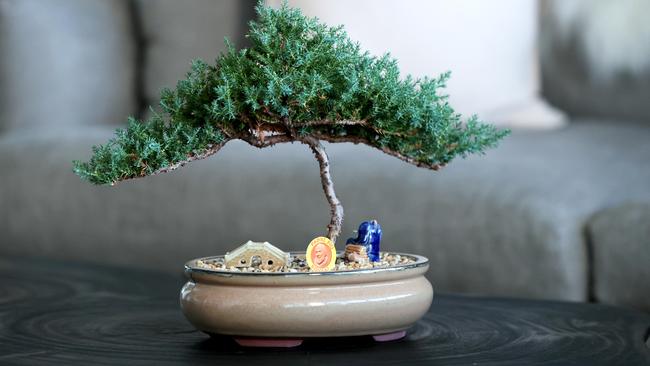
(376, 301)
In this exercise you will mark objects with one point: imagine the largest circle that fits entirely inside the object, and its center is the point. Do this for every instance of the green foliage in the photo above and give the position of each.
(141, 149)
(301, 78)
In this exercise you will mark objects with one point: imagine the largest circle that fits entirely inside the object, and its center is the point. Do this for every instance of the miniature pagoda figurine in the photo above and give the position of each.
(254, 254)
(366, 242)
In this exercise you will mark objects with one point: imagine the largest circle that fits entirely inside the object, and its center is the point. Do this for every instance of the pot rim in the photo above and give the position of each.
(190, 267)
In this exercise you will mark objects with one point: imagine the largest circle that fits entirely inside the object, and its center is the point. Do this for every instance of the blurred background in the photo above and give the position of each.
(560, 210)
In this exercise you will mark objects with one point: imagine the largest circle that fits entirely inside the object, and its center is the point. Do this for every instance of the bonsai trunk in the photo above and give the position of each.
(336, 209)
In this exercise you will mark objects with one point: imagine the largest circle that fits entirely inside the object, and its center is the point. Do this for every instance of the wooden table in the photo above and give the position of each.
(59, 313)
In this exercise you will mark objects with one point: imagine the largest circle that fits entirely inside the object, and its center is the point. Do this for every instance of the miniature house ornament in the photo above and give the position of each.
(254, 254)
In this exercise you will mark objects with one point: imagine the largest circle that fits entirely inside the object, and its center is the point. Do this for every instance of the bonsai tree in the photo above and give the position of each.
(300, 81)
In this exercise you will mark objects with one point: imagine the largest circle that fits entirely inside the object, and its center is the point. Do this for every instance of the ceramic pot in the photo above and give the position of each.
(297, 305)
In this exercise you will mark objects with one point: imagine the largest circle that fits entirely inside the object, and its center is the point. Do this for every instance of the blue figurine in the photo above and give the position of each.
(369, 236)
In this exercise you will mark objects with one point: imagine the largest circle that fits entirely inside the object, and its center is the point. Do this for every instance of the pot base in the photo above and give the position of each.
(295, 342)
(268, 342)
(389, 336)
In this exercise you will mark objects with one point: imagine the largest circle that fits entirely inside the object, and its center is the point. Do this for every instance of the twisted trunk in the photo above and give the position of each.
(336, 209)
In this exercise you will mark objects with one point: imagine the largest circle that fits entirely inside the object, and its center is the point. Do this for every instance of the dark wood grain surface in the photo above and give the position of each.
(57, 313)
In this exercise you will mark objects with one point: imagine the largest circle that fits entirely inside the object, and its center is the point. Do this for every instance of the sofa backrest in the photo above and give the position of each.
(69, 63)
(87, 62)
(175, 32)
(65, 63)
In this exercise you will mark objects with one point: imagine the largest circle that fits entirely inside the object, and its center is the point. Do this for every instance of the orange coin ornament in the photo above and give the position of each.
(321, 254)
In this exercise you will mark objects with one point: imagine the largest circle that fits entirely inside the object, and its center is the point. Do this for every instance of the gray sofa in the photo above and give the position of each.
(560, 214)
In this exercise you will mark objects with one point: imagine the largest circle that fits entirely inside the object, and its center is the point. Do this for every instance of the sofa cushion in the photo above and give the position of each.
(176, 32)
(68, 62)
(508, 223)
(595, 58)
(620, 238)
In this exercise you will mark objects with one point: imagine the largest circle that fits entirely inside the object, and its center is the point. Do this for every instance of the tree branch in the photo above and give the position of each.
(327, 122)
(260, 139)
(208, 152)
(358, 140)
(336, 209)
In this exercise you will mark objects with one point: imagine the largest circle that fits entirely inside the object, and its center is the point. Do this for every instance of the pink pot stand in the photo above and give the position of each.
(295, 342)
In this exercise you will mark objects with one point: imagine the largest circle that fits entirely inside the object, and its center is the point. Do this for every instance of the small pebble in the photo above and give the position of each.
(298, 264)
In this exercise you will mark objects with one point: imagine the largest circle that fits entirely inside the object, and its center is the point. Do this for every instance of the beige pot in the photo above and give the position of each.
(298, 305)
